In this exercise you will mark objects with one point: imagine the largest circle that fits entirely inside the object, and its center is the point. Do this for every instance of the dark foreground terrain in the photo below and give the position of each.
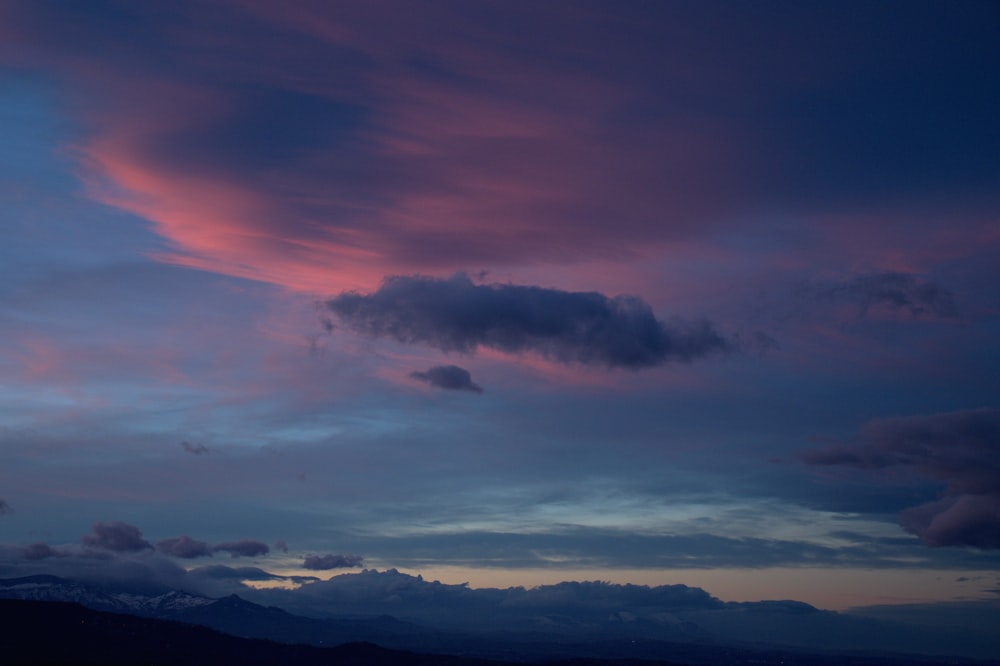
(43, 632)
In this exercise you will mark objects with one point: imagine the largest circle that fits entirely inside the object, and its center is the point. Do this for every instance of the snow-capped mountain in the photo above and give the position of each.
(53, 588)
(231, 614)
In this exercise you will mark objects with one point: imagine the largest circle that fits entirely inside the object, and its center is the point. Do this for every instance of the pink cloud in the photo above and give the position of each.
(553, 151)
(527, 165)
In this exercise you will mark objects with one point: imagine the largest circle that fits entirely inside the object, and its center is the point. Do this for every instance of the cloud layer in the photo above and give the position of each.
(325, 562)
(457, 315)
(39, 551)
(960, 449)
(243, 548)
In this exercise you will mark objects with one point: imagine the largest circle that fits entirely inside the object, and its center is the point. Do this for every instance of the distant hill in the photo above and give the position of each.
(45, 632)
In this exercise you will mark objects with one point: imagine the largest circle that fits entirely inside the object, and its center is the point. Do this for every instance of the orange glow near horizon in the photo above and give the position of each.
(824, 588)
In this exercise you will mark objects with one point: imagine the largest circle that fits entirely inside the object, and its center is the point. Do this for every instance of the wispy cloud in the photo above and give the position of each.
(194, 449)
(892, 291)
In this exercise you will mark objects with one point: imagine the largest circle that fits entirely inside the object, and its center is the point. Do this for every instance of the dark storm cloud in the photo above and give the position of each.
(325, 562)
(184, 547)
(455, 314)
(5, 508)
(448, 377)
(960, 449)
(243, 548)
(895, 291)
(195, 449)
(116, 536)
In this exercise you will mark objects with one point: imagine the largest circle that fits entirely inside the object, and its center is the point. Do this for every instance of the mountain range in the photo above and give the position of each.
(563, 638)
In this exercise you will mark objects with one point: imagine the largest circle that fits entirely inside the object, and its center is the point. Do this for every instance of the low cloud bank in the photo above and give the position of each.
(391, 592)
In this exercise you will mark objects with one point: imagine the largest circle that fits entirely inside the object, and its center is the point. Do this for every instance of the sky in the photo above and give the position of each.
(506, 293)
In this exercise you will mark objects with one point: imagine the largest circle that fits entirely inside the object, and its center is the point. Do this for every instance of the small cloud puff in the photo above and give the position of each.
(448, 377)
(116, 536)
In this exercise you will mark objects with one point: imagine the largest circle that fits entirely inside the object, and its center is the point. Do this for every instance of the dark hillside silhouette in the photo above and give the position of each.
(43, 633)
